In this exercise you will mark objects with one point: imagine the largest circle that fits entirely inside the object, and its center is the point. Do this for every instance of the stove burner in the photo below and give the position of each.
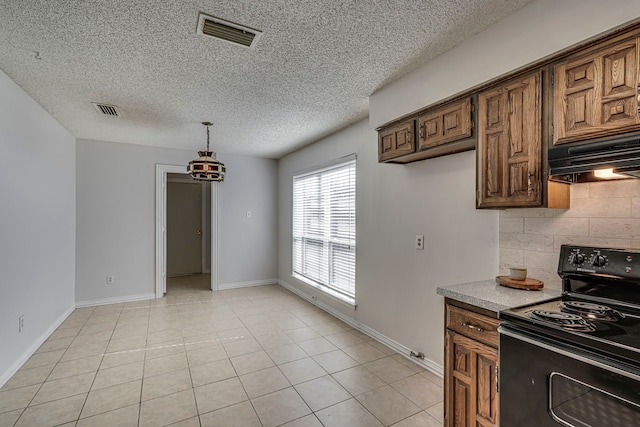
(568, 321)
(590, 310)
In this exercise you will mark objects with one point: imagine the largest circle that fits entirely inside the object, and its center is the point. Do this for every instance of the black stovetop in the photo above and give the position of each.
(620, 329)
(600, 305)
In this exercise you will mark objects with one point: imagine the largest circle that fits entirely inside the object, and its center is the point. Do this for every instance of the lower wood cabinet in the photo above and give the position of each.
(471, 369)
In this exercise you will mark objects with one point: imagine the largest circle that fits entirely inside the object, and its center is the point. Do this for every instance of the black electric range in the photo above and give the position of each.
(564, 357)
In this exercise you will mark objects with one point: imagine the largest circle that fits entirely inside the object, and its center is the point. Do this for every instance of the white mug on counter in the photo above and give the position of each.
(517, 273)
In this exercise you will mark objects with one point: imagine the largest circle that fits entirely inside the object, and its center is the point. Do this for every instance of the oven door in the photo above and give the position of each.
(547, 382)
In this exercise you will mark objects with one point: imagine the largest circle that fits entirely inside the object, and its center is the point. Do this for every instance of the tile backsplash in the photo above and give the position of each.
(605, 214)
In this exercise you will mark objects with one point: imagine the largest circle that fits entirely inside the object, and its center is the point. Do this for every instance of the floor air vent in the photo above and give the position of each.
(107, 110)
(227, 31)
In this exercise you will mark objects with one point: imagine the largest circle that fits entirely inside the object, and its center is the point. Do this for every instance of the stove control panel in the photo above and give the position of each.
(621, 263)
(577, 258)
(598, 260)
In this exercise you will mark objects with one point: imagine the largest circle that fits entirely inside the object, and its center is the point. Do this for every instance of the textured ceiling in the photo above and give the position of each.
(310, 74)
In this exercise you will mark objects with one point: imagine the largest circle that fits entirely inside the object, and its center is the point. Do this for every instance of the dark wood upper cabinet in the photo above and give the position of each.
(583, 93)
(441, 130)
(396, 141)
(445, 124)
(510, 143)
(596, 91)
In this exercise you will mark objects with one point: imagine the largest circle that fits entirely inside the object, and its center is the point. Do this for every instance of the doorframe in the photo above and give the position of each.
(205, 229)
(161, 228)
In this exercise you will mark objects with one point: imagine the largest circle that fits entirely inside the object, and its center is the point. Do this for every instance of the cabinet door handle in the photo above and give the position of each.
(473, 327)
(409, 136)
(529, 184)
(422, 126)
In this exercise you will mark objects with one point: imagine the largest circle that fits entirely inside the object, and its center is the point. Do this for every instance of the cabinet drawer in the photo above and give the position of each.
(473, 325)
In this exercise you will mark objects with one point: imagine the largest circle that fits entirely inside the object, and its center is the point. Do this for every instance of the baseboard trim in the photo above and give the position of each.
(237, 285)
(115, 300)
(335, 313)
(405, 351)
(427, 364)
(31, 350)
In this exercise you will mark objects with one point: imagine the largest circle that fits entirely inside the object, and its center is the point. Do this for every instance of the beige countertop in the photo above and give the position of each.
(491, 296)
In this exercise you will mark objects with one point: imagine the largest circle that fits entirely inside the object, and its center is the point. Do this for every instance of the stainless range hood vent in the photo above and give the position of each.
(576, 162)
(227, 31)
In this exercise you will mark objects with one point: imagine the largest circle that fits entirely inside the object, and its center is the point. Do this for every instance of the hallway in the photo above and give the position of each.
(182, 286)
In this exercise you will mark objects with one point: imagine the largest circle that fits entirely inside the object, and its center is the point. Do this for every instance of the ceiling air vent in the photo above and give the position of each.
(227, 31)
(107, 110)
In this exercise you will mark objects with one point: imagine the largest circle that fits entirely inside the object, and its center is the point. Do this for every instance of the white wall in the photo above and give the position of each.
(396, 284)
(247, 247)
(536, 31)
(37, 224)
(116, 218)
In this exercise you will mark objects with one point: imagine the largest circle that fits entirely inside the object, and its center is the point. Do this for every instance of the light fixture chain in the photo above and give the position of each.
(208, 137)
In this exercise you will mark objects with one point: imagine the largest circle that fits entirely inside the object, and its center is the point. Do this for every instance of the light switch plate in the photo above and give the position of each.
(419, 243)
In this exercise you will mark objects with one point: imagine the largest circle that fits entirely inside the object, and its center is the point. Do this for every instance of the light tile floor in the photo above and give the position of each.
(246, 357)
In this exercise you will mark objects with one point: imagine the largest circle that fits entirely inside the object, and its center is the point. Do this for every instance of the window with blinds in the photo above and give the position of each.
(324, 228)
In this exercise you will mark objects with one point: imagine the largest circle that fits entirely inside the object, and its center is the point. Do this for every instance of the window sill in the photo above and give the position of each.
(342, 299)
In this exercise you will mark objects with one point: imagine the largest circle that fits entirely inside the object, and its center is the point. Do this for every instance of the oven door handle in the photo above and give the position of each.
(504, 331)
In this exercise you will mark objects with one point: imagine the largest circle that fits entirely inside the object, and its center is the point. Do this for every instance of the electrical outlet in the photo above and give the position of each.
(21, 323)
(110, 280)
(419, 243)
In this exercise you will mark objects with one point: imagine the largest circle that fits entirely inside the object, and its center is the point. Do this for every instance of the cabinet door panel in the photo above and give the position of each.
(619, 72)
(580, 77)
(403, 140)
(495, 137)
(519, 180)
(462, 404)
(581, 113)
(510, 144)
(470, 382)
(396, 141)
(462, 360)
(486, 401)
(597, 94)
(445, 124)
(494, 175)
(386, 143)
(517, 124)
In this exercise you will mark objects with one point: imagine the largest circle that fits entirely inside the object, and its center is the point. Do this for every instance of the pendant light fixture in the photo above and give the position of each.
(206, 167)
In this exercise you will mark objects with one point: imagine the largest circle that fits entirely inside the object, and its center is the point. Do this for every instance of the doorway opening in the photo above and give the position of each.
(188, 239)
(193, 243)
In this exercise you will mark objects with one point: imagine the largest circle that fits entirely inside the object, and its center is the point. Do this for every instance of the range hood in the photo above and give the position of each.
(576, 162)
